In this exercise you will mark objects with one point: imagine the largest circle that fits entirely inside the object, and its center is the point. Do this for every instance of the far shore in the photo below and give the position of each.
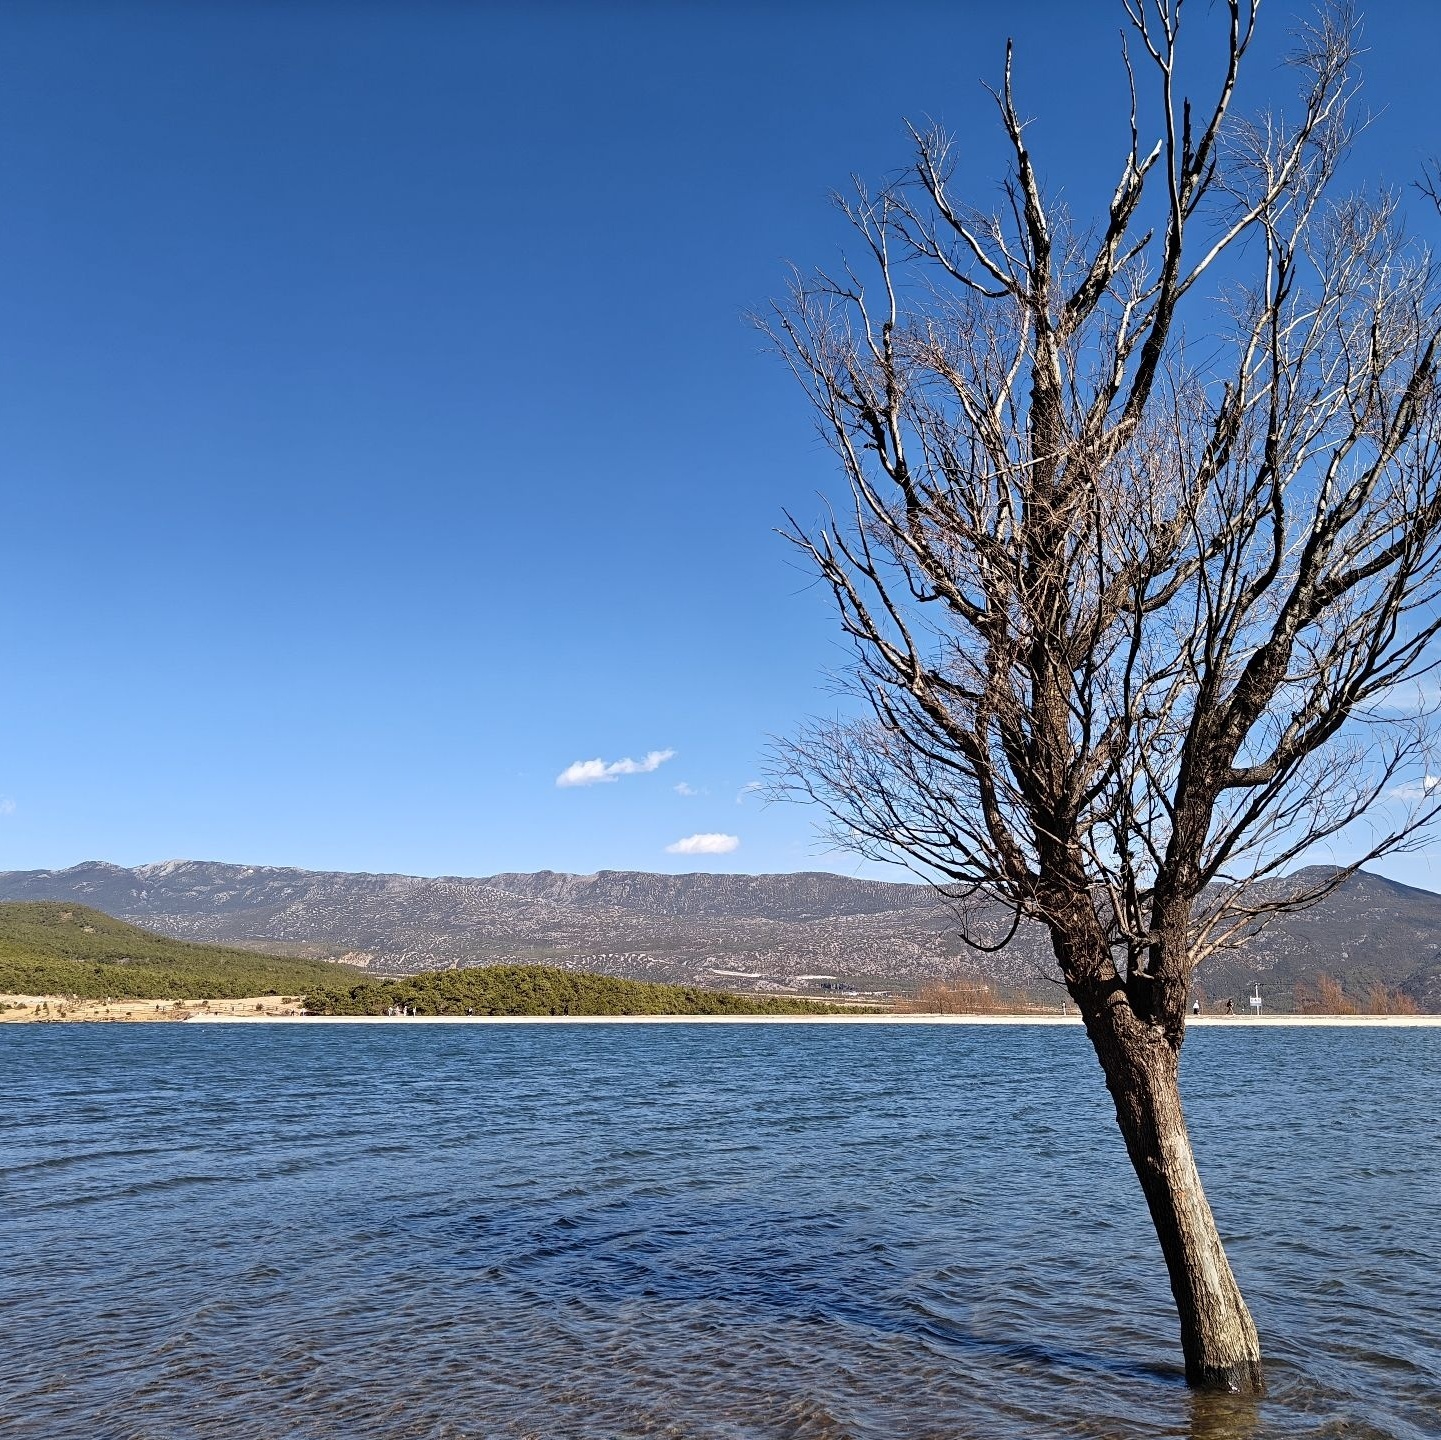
(286, 1010)
(891, 1018)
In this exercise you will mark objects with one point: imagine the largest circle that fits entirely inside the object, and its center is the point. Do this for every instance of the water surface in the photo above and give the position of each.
(694, 1231)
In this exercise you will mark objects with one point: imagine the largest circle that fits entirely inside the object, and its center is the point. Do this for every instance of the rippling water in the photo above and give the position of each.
(694, 1231)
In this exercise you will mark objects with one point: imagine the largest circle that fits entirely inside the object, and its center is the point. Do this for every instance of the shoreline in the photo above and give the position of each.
(284, 1010)
(1074, 1020)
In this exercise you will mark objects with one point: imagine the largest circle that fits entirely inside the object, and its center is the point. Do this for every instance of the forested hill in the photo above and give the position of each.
(731, 931)
(544, 990)
(60, 948)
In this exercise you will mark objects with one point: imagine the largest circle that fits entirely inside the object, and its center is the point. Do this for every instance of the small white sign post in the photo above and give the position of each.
(1256, 1003)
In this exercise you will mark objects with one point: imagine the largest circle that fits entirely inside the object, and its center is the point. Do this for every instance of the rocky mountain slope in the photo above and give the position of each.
(744, 931)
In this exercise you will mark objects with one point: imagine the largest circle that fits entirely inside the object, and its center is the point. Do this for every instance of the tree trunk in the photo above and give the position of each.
(1218, 1336)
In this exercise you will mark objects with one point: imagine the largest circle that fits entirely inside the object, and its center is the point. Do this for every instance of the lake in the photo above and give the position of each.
(809, 1232)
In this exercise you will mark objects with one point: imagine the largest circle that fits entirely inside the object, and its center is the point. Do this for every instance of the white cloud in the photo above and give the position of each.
(1416, 790)
(749, 788)
(601, 772)
(704, 845)
(684, 789)
(7, 805)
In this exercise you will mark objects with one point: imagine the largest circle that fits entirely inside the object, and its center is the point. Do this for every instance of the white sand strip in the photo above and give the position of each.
(1244, 1022)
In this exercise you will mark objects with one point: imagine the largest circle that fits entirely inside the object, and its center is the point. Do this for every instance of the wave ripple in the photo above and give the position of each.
(716, 1233)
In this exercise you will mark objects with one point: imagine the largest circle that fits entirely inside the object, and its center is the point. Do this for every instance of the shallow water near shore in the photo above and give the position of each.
(691, 1231)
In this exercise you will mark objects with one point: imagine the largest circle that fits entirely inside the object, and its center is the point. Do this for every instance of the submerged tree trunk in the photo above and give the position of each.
(1218, 1336)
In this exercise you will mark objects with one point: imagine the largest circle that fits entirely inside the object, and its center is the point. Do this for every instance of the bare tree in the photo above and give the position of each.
(1133, 610)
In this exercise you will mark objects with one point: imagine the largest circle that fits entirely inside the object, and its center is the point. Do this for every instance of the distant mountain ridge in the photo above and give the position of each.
(648, 926)
(763, 930)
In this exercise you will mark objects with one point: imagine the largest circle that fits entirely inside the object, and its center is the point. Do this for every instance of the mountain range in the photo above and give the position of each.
(753, 932)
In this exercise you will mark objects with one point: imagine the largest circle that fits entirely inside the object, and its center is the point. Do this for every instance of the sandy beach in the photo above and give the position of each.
(19, 1009)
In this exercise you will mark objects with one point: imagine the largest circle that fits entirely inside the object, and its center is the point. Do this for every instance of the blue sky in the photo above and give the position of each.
(381, 432)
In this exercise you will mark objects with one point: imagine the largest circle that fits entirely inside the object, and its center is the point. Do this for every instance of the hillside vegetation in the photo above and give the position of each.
(541, 990)
(53, 948)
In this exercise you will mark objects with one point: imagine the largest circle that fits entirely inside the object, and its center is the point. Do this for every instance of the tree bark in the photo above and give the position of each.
(1218, 1336)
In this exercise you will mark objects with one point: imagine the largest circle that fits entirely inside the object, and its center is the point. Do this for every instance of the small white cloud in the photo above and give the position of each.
(7, 805)
(601, 772)
(684, 789)
(1417, 789)
(704, 845)
(749, 788)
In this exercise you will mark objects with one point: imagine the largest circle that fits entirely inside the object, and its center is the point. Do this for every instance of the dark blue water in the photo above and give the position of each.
(692, 1231)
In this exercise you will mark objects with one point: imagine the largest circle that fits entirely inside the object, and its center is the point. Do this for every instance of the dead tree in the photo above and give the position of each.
(1135, 614)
